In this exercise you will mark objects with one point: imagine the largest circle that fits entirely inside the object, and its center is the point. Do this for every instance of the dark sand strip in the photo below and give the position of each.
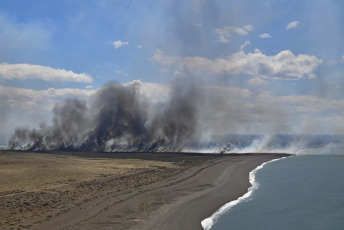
(179, 202)
(205, 193)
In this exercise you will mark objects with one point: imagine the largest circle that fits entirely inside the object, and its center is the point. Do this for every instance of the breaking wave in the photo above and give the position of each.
(210, 221)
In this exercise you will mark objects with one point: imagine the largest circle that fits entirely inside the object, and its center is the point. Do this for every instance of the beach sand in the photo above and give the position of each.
(199, 196)
(120, 191)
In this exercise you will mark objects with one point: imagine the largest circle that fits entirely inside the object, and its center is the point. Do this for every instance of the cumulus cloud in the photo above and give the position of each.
(284, 65)
(226, 32)
(292, 25)
(28, 71)
(118, 43)
(265, 35)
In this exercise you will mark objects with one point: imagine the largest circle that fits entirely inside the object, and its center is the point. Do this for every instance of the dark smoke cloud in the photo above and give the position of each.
(178, 120)
(66, 131)
(116, 119)
(119, 118)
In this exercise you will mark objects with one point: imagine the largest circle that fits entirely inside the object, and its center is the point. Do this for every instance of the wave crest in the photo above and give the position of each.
(210, 221)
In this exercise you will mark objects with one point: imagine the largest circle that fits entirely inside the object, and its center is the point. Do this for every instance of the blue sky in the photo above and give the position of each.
(78, 35)
(241, 44)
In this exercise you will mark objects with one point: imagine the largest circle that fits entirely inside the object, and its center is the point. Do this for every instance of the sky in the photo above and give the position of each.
(276, 62)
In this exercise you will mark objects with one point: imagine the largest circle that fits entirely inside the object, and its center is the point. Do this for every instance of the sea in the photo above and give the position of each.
(303, 192)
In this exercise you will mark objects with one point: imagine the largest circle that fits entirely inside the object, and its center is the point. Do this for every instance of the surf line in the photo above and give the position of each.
(210, 221)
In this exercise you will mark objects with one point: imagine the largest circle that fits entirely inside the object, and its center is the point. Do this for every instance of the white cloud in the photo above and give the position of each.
(257, 81)
(28, 71)
(265, 35)
(226, 32)
(245, 44)
(165, 60)
(89, 87)
(41, 97)
(249, 28)
(284, 65)
(292, 25)
(139, 46)
(117, 44)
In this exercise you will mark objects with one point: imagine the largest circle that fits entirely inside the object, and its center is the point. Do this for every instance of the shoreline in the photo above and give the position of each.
(180, 202)
(229, 179)
(211, 220)
(192, 190)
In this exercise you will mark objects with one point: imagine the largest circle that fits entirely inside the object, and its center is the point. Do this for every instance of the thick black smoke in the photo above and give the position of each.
(119, 118)
(116, 119)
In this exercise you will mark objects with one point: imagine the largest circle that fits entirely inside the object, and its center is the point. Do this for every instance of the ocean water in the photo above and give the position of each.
(302, 192)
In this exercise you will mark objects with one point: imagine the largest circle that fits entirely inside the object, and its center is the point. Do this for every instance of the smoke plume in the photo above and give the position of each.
(220, 100)
(120, 118)
(117, 119)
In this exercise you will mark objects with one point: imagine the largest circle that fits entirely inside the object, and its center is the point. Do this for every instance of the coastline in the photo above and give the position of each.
(211, 220)
(193, 189)
(227, 180)
(180, 202)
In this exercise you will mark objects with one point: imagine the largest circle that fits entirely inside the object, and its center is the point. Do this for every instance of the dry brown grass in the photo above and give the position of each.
(35, 187)
(35, 171)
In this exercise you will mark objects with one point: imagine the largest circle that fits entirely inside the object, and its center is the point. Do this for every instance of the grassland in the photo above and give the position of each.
(36, 187)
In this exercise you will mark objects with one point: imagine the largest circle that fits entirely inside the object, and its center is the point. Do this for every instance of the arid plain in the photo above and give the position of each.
(78, 190)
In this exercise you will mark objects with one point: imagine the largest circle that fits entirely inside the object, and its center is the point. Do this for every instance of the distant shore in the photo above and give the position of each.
(154, 191)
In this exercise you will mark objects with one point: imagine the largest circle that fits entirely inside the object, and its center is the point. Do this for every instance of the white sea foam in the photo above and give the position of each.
(210, 221)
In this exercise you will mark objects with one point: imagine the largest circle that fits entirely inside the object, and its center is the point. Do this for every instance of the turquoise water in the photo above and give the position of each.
(302, 192)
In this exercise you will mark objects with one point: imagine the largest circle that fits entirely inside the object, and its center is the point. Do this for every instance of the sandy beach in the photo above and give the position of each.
(120, 191)
(200, 195)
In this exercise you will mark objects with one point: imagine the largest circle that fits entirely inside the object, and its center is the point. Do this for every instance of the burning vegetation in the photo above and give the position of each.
(116, 119)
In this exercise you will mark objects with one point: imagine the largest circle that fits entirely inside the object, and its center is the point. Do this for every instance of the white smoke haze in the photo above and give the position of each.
(186, 115)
